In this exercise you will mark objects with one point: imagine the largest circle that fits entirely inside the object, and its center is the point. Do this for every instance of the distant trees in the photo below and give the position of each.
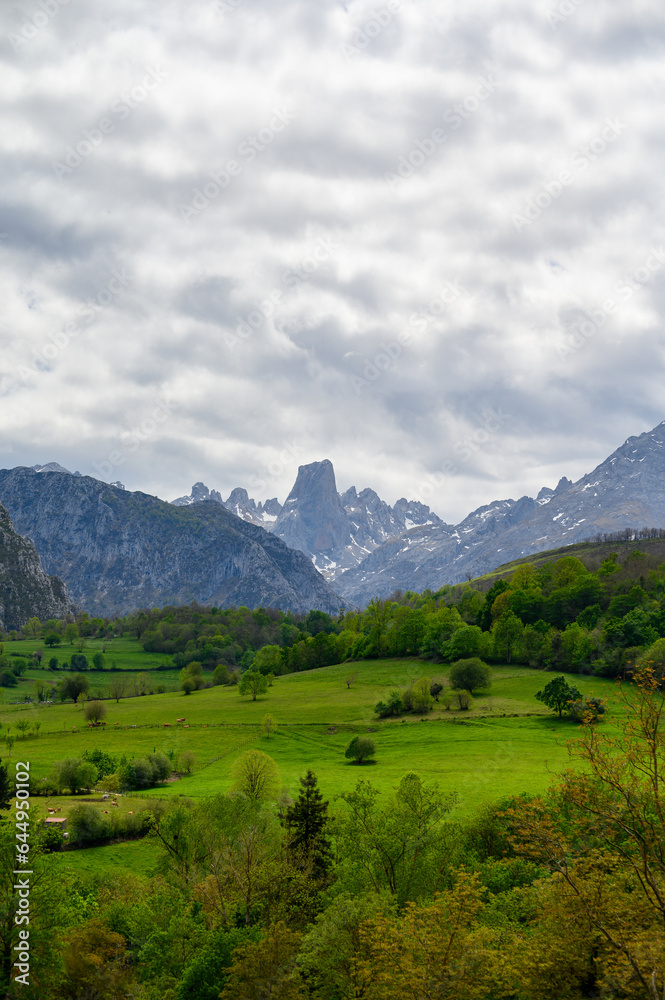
(52, 639)
(118, 687)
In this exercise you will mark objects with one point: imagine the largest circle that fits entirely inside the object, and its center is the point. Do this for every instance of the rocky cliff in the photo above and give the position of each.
(335, 530)
(117, 550)
(25, 589)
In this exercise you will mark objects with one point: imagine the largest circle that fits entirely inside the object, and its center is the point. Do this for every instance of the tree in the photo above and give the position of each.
(52, 639)
(221, 674)
(306, 822)
(99, 661)
(360, 749)
(435, 690)
(32, 627)
(73, 687)
(421, 699)
(188, 684)
(79, 661)
(95, 711)
(23, 725)
(53, 663)
(268, 660)
(96, 963)
(266, 968)
(71, 633)
(254, 683)
(6, 788)
(268, 725)
(558, 694)
(507, 632)
(601, 831)
(470, 674)
(255, 775)
(186, 760)
(118, 687)
(75, 774)
(351, 679)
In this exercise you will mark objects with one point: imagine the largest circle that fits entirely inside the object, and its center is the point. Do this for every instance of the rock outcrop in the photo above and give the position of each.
(25, 589)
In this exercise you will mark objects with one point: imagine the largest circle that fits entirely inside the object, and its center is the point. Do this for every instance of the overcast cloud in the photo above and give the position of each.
(426, 242)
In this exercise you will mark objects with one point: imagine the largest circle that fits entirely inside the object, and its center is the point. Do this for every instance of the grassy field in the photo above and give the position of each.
(507, 743)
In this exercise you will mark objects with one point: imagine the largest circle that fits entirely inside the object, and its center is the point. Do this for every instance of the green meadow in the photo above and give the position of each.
(507, 743)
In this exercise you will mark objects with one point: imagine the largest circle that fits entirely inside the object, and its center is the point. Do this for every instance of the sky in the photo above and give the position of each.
(424, 240)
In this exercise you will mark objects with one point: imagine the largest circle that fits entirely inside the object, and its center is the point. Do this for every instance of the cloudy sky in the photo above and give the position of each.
(423, 240)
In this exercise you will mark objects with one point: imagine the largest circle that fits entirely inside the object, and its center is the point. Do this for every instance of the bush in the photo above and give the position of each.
(392, 707)
(420, 696)
(461, 700)
(87, 823)
(94, 711)
(470, 674)
(360, 749)
(75, 774)
(587, 709)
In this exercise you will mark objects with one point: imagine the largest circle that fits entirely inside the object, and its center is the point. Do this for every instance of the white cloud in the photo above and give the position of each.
(475, 111)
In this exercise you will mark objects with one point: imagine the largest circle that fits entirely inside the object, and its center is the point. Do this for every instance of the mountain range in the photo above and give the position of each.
(369, 549)
(118, 550)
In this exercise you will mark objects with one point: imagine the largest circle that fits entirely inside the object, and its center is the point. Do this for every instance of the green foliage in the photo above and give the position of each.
(470, 674)
(306, 824)
(253, 682)
(255, 776)
(558, 695)
(94, 711)
(360, 749)
(74, 774)
(393, 706)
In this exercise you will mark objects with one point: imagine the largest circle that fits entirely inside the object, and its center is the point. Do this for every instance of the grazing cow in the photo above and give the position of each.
(104, 798)
(185, 727)
(179, 720)
(130, 812)
(114, 803)
(167, 725)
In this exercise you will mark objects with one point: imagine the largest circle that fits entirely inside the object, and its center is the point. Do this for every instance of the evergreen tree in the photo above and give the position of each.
(6, 788)
(305, 822)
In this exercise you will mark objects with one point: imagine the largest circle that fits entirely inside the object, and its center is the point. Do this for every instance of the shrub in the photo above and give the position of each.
(461, 700)
(94, 711)
(392, 707)
(470, 674)
(587, 709)
(420, 696)
(87, 823)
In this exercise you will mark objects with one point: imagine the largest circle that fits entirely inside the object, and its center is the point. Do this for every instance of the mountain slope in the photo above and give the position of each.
(118, 550)
(626, 490)
(25, 589)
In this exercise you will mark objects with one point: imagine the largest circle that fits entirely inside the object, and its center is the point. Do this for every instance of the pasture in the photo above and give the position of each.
(507, 743)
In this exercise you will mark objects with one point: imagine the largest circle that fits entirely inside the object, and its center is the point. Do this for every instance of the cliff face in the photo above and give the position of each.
(335, 530)
(25, 589)
(117, 550)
